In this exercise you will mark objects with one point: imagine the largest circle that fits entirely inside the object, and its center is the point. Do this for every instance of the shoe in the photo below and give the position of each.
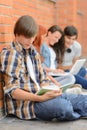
(75, 89)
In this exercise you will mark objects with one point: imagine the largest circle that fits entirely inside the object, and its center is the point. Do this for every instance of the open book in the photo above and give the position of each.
(45, 89)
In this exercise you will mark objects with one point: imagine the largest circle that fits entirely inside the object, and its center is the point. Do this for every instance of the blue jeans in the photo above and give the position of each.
(80, 77)
(65, 107)
(81, 80)
(82, 72)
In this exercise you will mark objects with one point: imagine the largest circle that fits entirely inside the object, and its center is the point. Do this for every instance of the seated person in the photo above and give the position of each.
(43, 37)
(72, 51)
(57, 52)
(25, 76)
(40, 37)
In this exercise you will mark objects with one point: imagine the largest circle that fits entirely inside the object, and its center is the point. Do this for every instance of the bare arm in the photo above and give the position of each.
(65, 67)
(54, 81)
(19, 94)
(54, 70)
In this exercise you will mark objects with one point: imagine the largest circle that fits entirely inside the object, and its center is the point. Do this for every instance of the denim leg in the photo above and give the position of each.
(81, 80)
(79, 103)
(59, 108)
(82, 72)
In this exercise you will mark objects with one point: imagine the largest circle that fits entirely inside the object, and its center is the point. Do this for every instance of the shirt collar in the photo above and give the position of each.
(20, 49)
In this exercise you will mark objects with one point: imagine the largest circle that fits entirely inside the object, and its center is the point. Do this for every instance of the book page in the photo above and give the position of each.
(45, 89)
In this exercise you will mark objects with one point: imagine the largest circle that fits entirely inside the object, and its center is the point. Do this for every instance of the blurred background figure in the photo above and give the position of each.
(40, 37)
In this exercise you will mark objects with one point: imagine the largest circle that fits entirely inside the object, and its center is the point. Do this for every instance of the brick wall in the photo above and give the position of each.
(45, 12)
(42, 10)
(74, 12)
(82, 24)
(66, 12)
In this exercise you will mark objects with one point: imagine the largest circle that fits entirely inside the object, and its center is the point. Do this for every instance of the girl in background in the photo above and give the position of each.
(68, 50)
(40, 37)
(54, 34)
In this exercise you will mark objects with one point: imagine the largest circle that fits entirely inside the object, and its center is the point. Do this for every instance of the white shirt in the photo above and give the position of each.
(31, 71)
(53, 58)
(75, 53)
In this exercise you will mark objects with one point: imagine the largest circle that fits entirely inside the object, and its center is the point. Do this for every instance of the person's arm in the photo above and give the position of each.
(48, 69)
(65, 67)
(53, 70)
(26, 96)
(54, 81)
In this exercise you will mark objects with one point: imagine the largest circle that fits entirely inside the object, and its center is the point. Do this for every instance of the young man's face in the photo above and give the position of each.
(54, 37)
(69, 40)
(25, 42)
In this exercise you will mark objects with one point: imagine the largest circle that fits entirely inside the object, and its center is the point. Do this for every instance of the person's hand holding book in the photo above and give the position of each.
(50, 95)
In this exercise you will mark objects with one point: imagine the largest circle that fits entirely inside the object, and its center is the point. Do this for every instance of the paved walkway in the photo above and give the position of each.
(12, 123)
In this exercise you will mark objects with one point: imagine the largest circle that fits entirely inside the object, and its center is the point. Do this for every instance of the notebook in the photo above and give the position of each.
(74, 70)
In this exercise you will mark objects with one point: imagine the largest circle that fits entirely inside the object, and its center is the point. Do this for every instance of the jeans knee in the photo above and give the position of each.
(65, 113)
(68, 112)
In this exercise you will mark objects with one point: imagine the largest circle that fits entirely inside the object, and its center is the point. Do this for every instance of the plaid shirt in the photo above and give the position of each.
(13, 64)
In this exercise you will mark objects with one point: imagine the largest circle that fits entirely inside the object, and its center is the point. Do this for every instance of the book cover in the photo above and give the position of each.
(45, 89)
(66, 86)
(53, 87)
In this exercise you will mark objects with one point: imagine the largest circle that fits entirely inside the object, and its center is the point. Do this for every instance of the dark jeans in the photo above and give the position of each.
(82, 72)
(80, 78)
(65, 107)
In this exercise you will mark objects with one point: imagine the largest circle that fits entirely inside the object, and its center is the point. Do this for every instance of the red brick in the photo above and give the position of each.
(47, 13)
(4, 2)
(6, 38)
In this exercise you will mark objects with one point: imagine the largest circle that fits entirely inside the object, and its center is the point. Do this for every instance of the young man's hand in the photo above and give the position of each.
(51, 94)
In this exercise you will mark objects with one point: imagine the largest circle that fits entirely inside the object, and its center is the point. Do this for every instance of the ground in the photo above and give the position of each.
(12, 123)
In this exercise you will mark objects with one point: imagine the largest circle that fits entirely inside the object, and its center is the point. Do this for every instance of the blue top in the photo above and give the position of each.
(45, 52)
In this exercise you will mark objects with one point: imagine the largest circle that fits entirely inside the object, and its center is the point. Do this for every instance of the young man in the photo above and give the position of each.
(73, 48)
(24, 76)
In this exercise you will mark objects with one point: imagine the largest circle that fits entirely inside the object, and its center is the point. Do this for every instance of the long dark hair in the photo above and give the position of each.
(55, 28)
(59, 49)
